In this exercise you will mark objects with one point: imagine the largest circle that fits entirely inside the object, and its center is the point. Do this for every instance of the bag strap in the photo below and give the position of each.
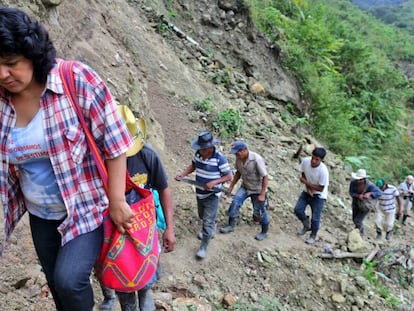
(68, 79)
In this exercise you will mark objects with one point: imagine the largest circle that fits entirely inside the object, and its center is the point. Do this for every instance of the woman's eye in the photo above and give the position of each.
(11, 64)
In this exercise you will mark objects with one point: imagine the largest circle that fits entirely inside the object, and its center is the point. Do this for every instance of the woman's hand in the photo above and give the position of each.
(121, 214)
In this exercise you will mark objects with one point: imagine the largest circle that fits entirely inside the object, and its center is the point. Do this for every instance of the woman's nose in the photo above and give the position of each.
(4, 72)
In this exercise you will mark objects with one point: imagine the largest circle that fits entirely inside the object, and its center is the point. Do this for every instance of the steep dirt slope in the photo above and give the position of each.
(160, 75)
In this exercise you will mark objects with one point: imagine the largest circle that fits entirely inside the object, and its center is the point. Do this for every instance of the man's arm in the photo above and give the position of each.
(399, 206)
(262, 195)
(168, 237)
(373, 192)
(187, 171)
(309, 186)
(220, 180)
(234, 181)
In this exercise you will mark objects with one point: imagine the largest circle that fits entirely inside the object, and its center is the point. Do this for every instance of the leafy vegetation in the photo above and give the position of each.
(345, 60)
(229, 122)
(226, 122)
(371, 275)
(203, 105)
(399, 14)
(374, 3)
(223, 77)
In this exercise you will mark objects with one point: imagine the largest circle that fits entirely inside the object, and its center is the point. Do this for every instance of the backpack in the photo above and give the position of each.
(161, 224)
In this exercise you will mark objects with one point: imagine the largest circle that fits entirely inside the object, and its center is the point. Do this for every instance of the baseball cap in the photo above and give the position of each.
(237, 146)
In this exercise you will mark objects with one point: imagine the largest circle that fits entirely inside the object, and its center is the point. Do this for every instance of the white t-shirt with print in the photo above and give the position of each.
(28, 151)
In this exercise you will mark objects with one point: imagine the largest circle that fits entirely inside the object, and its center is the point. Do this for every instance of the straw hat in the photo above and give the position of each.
(360, 174)
(136, 127)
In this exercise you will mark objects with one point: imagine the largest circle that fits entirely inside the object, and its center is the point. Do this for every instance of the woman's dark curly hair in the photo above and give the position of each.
(19, 35)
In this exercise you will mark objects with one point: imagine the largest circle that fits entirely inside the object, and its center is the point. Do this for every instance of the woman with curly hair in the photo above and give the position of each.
(46, 168)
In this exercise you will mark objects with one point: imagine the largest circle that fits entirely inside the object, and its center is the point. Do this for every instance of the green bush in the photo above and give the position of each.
(223, 77)
(228, 122)
(203, 105)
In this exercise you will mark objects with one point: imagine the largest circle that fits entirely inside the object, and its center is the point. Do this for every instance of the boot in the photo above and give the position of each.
(362, 230)
(379, 235)
(388, 235)
(263, 234)
(202, 251)
(128, 301)
(200, 233)
(306, 226)
(146, 301)
(109, 299)
(312, 238)
(404, 220)
(230, 227)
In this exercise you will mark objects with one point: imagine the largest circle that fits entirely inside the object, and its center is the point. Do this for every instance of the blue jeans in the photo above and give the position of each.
(67, 268)
(259, 209)
(207, 211)
(316, 204)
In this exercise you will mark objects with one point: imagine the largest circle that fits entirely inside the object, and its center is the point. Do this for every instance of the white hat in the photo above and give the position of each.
(409, 177)
(360, 174)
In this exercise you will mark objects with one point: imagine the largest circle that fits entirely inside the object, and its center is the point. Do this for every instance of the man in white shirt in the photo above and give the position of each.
(315, 177)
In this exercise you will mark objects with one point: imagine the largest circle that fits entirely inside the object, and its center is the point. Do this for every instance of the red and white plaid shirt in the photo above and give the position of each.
(76, 174)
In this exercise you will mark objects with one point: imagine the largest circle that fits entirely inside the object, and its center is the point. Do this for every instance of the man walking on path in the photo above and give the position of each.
(406, 190)
(212, 169)
(385, 210)
(252, 170)
(364, 195)
(315, 177)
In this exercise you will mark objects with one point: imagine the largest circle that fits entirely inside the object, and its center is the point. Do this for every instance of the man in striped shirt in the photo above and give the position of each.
(212, 169)
(385, 210)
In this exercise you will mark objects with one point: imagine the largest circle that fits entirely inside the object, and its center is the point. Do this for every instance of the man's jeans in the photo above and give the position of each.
(207, 211)
(358, 216)
(259, 208)
(316, 204)
(67, 268)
